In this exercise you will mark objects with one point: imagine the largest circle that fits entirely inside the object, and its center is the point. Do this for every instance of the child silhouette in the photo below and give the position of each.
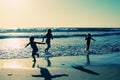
(34, 47)
(48, 37)
(88, 39)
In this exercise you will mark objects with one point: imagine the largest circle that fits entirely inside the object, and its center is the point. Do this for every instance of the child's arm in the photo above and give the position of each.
(93, 39)
(40, 43)
(52, 37)
(27, 45)
(43, 38)
(86, 38)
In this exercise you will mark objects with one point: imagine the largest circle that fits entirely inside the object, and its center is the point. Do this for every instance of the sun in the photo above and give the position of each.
(12, 3)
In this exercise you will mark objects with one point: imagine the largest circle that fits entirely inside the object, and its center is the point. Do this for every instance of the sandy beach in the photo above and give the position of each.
(62, 68)
(69, 59)
(86, 73)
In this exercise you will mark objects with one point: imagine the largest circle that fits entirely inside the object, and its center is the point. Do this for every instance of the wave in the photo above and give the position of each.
(64, 29)
(58, 34)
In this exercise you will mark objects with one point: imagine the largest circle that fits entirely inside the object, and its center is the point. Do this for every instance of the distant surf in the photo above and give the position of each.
(58, 32)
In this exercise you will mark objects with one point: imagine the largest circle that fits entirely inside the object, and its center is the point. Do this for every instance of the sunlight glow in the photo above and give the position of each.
(12, 43)
(12, 3)
(12, 65)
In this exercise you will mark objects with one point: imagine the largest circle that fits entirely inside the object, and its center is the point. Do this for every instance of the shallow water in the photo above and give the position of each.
(71, 46)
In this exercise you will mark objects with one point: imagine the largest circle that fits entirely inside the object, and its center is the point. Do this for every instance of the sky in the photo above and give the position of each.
(59, 13)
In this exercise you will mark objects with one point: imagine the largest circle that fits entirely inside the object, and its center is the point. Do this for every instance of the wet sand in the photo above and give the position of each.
(25, 69)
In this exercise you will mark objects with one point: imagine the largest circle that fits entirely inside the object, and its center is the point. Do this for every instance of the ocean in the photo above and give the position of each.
(66, 42)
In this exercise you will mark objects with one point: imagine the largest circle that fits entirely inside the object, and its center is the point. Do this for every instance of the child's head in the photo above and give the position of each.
(89, 34)
(49, 31)
(31, 38)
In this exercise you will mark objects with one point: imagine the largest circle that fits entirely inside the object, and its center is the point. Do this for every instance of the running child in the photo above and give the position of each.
(48, 37)
(88, 39)
(34, 47)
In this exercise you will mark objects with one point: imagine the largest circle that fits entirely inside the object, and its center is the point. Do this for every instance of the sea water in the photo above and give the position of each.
(66, 42)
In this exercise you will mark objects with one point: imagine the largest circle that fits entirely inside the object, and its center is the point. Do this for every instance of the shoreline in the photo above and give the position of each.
(62, 68)
(64, 61)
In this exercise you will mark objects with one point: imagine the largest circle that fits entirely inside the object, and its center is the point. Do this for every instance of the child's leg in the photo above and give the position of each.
(33, 56)
(46, 50)
(87, 48)
(48, 46)
(88, 45)
(37, 54)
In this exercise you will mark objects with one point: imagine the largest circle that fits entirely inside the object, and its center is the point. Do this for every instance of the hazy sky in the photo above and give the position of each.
(59, 13)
